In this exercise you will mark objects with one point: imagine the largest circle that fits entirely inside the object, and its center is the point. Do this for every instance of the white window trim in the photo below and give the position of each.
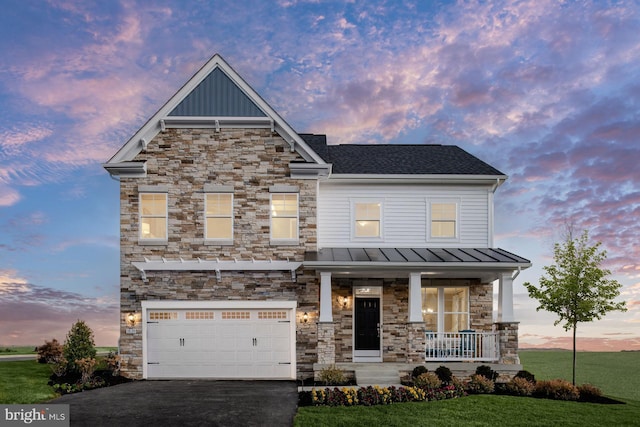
(352, 215)
(450, 200)
(216, 241)
(292, 241)
(147, 241)
(440, 313)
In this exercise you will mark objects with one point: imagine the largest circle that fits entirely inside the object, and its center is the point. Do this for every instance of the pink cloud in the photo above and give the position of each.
(30, 314)
(8, 196)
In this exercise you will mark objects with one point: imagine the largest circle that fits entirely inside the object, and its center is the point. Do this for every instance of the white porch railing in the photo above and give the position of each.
(459, 346)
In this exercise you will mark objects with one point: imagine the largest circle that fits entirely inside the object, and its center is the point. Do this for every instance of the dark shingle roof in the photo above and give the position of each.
(388, 159)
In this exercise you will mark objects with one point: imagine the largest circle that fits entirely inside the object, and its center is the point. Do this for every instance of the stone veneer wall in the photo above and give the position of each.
(508, 341)
(184, 160)
(402, 341)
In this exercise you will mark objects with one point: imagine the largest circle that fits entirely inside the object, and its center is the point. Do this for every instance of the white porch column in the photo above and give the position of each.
(415, 297)
(326, 314)
(505, 298)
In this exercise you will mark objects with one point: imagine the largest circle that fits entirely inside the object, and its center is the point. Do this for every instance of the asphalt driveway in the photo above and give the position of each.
(185, 403)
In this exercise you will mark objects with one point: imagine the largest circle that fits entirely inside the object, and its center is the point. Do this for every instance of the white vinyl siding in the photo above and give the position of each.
(404, 213)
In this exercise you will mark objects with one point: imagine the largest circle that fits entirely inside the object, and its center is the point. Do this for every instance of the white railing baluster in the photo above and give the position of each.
(459, 346)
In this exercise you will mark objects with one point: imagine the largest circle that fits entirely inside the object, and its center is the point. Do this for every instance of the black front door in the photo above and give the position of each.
(367, 324)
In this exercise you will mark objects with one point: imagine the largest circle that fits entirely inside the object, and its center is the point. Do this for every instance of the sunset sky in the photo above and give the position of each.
(548, 92)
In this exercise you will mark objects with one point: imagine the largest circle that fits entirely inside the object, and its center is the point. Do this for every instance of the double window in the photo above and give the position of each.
(445, 309)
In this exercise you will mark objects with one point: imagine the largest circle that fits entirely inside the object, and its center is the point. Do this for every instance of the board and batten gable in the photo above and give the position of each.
(405, 214)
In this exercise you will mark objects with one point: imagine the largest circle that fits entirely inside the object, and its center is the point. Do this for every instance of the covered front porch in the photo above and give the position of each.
(407, 312)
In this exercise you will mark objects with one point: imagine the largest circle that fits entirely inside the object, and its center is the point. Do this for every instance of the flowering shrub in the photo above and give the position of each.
(332, 375)
(556, 389)
(519, 386)
(427, 381)
(479, 384)
(59, 366)
(49, 352)
(113, 363)
(86, 366)
(375, 395)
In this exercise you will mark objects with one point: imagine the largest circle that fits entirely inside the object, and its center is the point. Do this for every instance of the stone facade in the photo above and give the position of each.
(251, 161)
(508, 340)
(183, 161)
(402, 342)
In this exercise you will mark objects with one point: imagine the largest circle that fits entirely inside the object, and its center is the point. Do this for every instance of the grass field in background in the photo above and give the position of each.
(615, 373)
(19, 350)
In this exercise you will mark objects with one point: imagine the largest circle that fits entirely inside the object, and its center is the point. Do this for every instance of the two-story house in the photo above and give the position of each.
(249, 250)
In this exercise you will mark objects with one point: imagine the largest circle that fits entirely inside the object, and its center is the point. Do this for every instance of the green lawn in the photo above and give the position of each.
(12, 350)
(615, 373)
(482, 410)
(25, 382)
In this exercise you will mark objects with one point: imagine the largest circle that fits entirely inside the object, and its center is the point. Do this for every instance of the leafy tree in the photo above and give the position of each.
(79, 345)
(577, 288)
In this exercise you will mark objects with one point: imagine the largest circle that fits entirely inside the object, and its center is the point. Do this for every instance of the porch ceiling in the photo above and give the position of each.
(483, 263)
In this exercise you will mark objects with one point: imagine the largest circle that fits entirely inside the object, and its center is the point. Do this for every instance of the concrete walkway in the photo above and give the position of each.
(185, 403)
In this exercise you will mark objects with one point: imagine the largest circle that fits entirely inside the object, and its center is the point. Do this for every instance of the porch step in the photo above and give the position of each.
(376, 375)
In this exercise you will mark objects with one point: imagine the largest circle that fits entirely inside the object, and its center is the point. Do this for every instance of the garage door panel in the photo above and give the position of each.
(219, 343)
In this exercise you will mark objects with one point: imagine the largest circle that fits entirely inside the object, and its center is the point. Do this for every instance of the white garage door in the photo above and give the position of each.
(219, 343)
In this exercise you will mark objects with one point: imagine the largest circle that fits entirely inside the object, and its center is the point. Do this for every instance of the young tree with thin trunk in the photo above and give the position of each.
(577, 288)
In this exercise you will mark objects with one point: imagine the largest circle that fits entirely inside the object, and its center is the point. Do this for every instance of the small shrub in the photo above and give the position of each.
(59, 366)
(526, 375)
(332, 375)
(519, 386)
(479, 384)
(86, 367)
(427, 381)
(49, 352)
(444, 374)
(419, 370)
(487, 372)
(589, 393)
(113, 363)
(556, 389)
(79, 345)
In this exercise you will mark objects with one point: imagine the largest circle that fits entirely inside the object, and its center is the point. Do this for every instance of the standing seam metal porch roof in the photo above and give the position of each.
(434, 256)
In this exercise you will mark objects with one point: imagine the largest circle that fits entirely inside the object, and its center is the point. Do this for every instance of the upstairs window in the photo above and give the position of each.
(219, 216)
(367, 217)
(153, 216)
(284, 217)
(444, 220)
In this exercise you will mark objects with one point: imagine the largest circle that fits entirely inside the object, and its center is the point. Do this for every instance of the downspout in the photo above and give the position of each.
(516, 273)
(496, 185)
